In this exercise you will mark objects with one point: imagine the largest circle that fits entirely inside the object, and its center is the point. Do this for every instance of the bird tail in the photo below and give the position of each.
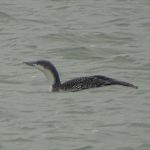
(125, 84)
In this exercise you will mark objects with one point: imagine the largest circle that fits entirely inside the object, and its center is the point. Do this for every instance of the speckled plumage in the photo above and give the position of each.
(82, 83)
(76, 84)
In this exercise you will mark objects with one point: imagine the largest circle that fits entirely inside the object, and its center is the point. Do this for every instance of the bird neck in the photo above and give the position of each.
(56, 83)
(50, 74)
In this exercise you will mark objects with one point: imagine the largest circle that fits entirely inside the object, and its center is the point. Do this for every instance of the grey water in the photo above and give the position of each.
(81, 37)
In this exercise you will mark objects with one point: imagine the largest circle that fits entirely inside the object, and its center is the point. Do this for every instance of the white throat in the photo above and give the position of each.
(48, 74)
(50, 88)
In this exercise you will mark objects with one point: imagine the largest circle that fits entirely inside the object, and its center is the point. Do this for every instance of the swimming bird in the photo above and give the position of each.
(75, 84)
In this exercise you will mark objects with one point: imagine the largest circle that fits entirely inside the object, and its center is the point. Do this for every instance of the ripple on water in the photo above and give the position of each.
(4, 17)
(81, 37)
(87, 147)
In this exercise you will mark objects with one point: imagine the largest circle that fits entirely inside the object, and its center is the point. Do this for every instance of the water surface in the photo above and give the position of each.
(81, 37)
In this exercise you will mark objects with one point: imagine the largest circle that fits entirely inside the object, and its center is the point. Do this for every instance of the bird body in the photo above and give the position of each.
(75, 84)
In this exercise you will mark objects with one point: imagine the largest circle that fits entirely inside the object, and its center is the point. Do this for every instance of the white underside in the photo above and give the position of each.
(50, 88)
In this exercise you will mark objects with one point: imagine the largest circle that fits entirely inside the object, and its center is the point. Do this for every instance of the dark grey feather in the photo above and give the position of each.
(82, 83)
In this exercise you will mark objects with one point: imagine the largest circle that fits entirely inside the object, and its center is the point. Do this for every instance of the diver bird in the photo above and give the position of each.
(75, 84)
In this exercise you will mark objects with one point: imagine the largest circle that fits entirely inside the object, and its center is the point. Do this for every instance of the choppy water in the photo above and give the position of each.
(81, 37)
